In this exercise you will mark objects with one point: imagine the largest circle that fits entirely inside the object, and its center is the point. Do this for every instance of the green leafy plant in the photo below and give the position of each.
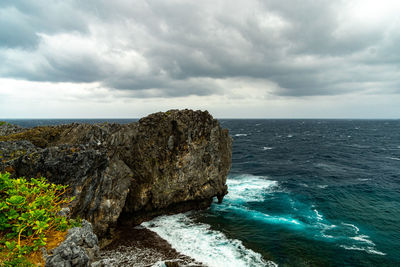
(4, 122)
(28, 214)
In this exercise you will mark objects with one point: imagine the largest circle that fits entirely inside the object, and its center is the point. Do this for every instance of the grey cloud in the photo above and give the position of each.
(164, 86)
(316, 28)
(21, 21)
(14, 30)
(301, 46)
(50, 67)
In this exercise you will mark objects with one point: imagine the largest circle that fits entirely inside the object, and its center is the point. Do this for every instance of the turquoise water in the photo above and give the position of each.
(314, 192)
(301, 193)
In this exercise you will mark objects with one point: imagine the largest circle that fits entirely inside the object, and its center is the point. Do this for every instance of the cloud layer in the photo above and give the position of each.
(149, 49)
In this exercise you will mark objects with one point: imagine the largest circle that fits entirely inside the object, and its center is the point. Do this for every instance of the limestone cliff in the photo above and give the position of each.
(167, 162)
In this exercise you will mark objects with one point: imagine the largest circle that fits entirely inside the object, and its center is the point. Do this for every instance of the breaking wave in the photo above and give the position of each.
(203, 244)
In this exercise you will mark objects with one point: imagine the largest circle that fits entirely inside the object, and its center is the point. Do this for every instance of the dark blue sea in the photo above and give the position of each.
(301, 193)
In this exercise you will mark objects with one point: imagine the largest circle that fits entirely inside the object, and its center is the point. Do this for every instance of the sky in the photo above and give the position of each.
(236, 59)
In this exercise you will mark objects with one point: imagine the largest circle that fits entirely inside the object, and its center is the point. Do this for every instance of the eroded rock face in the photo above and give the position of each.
(178, 159)
(165, 163)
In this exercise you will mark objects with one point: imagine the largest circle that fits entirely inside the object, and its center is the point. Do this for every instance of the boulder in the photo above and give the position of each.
(79, 248)
(167, 162)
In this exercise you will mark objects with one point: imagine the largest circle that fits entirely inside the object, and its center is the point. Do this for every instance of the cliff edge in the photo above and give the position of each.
(167, 162)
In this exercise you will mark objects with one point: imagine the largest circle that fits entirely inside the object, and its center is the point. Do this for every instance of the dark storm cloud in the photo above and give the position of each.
(160, 48)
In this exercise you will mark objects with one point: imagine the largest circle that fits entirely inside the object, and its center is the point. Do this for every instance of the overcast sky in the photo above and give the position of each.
(264, 59)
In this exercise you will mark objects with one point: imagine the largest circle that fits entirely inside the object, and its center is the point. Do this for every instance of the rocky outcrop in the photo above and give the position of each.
(79, 248)
(7, 128)
(165, 163)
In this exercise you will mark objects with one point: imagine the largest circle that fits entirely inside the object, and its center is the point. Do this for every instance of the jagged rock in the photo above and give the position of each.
(79, 248)
(7, 128)
(183, 177)
(14, 150)
(165, 163)
(41, 136)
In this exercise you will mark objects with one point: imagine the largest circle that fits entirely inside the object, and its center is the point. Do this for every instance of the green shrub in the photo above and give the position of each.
(4, 122)
(28, 213)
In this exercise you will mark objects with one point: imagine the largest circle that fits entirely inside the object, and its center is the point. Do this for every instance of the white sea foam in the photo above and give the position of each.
(393, 158)
(356, 229)
(326, 227)
(363, 238)
(374, 251)
(370, 250)
(249, 188)
(322, 186)
(198, 241)
(358, 242)
(251, 214)
(319, 216)
(359, 146)
(363, 242)
(237, 135)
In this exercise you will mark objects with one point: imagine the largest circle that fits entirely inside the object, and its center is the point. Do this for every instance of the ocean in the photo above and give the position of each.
(301, 193)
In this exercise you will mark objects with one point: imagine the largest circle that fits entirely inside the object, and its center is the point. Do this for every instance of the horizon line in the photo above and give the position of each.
(219, 118)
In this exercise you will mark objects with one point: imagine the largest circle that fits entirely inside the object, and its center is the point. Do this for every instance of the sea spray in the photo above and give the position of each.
(200, 242)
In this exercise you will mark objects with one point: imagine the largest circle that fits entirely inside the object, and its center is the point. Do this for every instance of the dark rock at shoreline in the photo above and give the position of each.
(165, 163)
(139, 246)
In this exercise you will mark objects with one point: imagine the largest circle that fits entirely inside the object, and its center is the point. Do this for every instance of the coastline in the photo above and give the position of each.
(139, 246)
(166, 163)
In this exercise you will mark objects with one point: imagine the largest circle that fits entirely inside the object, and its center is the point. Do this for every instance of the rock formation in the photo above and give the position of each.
(165, 163)
(79, 248)
(7, 128)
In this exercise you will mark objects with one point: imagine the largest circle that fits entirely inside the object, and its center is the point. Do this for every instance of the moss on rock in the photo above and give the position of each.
(40, 136)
